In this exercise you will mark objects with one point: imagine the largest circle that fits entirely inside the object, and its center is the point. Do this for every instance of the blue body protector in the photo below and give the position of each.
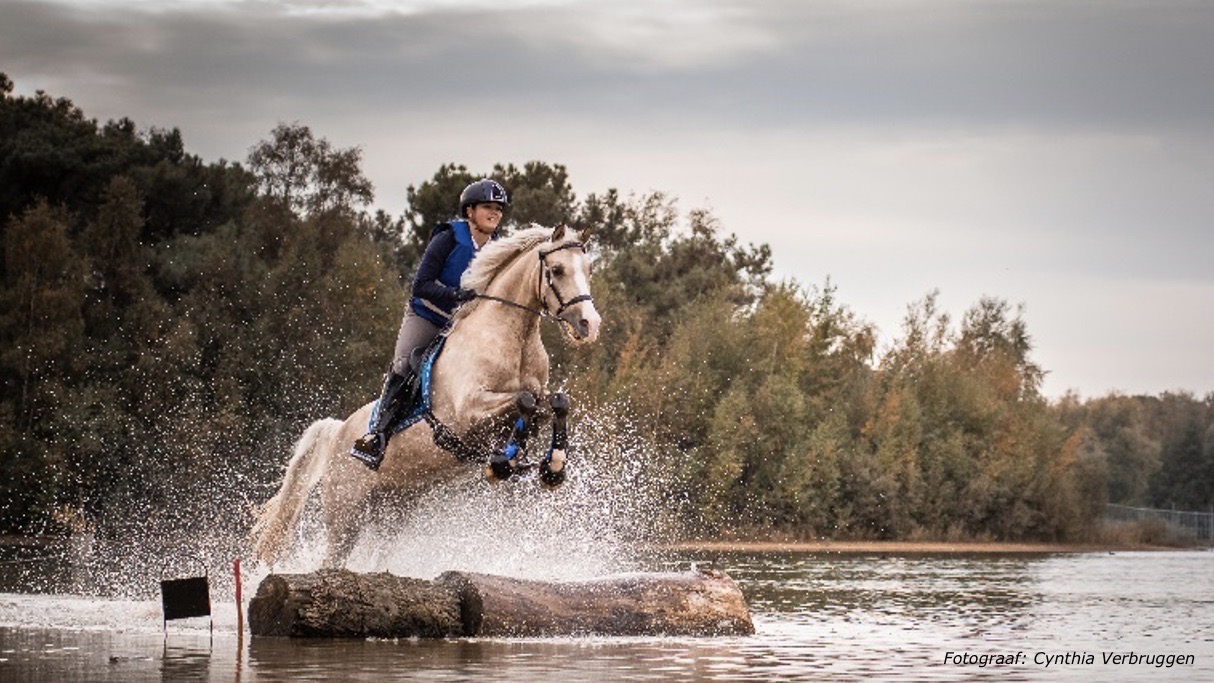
(453, 269)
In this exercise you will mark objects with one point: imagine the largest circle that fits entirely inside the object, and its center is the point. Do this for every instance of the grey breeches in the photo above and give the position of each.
(415, 331)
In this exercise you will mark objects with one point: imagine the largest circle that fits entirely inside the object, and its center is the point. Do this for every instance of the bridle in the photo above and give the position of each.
(562, 302)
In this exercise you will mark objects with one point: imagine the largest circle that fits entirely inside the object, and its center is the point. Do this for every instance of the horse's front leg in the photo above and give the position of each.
(503, 464)
(552, 467)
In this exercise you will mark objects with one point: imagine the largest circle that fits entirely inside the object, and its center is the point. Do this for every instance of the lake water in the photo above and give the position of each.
(819, 616)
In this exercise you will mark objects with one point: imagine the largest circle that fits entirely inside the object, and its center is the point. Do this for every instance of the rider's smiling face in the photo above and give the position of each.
(484, 217)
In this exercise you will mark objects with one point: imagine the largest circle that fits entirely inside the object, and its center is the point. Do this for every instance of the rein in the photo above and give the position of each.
(563, 303)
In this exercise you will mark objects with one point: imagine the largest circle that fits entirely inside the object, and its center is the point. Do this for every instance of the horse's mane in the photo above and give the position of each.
(495, 255)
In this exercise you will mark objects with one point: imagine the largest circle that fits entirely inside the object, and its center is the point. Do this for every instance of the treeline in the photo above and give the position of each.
(166, 323)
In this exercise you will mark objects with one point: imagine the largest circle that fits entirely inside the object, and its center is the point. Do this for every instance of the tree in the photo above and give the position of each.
(1131, 451)
(964, 444)
(161, 326)
(41, 347)
(991, 335)
(118, 262)
(307, 174)
(1185, 478)
(50, 149)
(663, 269)
(539, 193)
(40, 310)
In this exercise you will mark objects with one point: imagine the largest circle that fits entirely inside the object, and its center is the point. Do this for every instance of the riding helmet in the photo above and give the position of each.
(483, 190)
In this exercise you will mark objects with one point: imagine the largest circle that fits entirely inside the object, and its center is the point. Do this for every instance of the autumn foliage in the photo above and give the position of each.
(166, 321)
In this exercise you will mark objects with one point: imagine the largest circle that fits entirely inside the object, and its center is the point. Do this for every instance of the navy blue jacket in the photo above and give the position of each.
(437, 279)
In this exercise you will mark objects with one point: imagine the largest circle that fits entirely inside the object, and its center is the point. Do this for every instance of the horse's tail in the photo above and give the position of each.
(277, 519)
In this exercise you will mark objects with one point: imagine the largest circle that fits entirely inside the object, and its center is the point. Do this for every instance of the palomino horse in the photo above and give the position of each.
(493, 364)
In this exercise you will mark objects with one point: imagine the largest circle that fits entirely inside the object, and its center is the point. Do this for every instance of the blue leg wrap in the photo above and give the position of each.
(501, 463)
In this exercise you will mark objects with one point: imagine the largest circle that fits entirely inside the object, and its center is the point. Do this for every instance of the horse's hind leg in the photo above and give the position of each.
(552, 467)
(502, 464)
(341, 531)
(340, 544)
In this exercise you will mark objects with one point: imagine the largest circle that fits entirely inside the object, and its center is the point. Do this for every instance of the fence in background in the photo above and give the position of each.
(1180, 524)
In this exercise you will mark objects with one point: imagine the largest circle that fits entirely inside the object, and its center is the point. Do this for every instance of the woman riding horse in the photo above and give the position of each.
(492, 362)
(436, 294)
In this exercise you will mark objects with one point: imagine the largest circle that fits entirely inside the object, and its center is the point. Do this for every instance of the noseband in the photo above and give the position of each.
(563, 304)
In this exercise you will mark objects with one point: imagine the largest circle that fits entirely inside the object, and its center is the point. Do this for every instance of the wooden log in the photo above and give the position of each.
(343, 604)
(347, 604)
(694, 603)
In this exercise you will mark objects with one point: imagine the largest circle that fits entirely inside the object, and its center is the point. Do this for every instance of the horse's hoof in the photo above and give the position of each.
(560, 405)
(552, 469)
(552, 480)
(501, 467)
(524, 403)
(549, 478)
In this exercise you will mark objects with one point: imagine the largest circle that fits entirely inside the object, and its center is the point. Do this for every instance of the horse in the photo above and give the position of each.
(488, 379)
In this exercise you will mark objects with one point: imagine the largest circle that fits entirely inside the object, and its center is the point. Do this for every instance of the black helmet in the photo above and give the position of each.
(484, 190)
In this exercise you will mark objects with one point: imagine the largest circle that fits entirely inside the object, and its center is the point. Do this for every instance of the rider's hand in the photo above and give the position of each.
(462, 295)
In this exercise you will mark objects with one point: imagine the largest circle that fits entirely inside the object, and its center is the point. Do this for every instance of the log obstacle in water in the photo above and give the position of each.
(340, 603)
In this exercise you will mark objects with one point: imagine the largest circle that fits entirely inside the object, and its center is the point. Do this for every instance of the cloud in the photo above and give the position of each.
(1032, 150)
(789, 64)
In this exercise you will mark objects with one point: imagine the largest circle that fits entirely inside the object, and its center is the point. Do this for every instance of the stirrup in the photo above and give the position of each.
(369, 449)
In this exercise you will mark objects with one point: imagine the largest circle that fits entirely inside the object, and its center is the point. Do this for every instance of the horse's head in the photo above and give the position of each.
(565, 285)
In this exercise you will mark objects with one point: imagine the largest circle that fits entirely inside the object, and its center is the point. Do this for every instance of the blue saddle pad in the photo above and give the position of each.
(422, 396)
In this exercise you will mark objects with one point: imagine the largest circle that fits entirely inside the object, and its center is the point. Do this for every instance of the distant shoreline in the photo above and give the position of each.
(826, 547)
(907, 547)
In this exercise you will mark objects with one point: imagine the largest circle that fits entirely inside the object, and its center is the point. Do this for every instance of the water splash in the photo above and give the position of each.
(605, 519)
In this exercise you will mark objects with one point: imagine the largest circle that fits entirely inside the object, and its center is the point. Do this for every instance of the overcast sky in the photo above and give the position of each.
(1057, 154)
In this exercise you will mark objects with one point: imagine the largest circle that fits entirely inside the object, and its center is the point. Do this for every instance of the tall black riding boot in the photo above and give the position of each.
(392, 402)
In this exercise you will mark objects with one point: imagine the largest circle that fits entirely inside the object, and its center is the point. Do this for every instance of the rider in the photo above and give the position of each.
(436, 294)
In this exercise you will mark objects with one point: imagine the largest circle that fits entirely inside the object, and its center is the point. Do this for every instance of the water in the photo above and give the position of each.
(91, 611)
(819, 616)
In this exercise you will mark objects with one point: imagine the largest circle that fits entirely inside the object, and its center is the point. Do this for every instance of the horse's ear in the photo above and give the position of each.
(559, 233)
(585, 235)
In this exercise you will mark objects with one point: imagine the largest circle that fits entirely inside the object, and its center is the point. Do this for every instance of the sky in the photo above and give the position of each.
(1054, 154)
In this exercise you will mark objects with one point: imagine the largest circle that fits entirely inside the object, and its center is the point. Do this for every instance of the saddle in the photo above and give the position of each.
(420, 389)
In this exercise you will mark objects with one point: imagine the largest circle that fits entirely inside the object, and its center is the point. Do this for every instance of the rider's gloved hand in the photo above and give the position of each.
(462, 295)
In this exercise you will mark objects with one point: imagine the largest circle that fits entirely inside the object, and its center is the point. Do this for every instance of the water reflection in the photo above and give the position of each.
(836, 617)
(590, 660)
(977, 592)
(186, 662)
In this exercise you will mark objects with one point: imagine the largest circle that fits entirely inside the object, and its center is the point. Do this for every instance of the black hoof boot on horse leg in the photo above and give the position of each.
(502, 463)
(552, 467)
